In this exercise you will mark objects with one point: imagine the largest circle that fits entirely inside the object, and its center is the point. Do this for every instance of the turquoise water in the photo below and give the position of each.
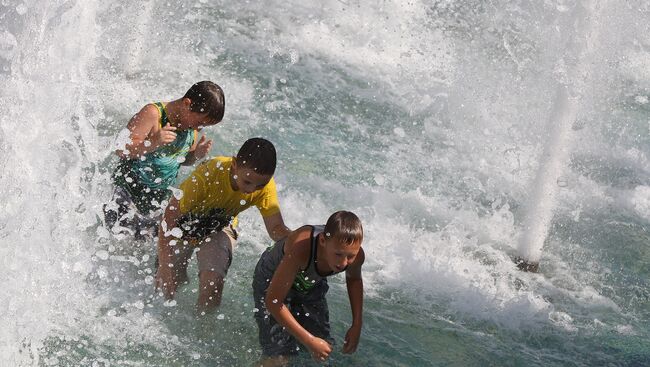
(427, 119)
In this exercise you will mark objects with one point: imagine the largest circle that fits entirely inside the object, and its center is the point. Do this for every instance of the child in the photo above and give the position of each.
(206, 215)
(163, 135)
(290, 284)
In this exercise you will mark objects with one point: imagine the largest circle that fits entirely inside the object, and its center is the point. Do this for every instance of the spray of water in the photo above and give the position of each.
(570, 92)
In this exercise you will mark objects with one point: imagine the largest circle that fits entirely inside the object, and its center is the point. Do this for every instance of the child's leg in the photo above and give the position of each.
(182, 260)
(214, 255)
(182, 256)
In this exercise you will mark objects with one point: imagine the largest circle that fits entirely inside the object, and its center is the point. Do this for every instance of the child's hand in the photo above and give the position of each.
(203, 147)
(164, 136)
(351, 340)
(320, 349)
(166, 281)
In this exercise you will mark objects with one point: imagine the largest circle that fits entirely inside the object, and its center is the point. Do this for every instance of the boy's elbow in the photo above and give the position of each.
(273, 305)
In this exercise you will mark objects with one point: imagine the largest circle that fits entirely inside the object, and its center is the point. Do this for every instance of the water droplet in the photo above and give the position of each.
(21, 9)
(170, 303)
(177, 232)
(380, 180)
(102, 254)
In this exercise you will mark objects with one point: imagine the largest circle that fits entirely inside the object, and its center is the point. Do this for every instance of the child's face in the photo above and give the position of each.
(246, 180)
(195, 120)
(338, 254)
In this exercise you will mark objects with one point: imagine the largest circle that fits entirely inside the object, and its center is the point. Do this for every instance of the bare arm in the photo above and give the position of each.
(198, 150)
(354, 284)
(279, 287)
(275, 226)
(143, 135)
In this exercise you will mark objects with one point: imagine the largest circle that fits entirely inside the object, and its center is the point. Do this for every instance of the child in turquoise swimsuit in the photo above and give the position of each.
(162, 136)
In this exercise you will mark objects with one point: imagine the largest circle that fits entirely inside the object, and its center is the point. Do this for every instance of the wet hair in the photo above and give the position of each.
(207, 97)
(259, 155)
(345, 226)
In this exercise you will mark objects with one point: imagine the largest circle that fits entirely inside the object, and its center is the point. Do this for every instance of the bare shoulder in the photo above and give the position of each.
(354, 269)
(147, 116)
(360, 258)
(298, 245)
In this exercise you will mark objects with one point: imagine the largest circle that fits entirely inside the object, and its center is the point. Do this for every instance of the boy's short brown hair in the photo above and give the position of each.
(207, 97)
(259, 155)
(345, 226)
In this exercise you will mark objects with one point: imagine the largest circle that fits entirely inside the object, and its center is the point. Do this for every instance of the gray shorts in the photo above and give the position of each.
(214, 253)
(310, 310)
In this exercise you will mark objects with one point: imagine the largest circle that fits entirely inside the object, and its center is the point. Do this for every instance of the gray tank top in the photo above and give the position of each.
(305, 280)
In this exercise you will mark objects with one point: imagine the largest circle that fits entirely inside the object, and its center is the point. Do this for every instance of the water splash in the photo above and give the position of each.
(554, 160)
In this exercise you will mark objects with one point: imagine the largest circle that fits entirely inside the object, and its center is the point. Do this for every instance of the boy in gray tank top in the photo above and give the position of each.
(290, 284)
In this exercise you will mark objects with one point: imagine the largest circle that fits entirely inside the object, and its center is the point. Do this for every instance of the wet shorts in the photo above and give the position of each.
(214, 253)
(122, 216)
(309, 310)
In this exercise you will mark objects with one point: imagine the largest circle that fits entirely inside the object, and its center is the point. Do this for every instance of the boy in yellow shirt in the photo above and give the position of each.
(205, 217)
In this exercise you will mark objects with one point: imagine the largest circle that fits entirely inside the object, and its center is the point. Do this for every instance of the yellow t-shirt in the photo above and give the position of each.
(207, 193)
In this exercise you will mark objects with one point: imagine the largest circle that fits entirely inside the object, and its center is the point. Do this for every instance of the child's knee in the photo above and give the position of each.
(210, 289)
(210, 282)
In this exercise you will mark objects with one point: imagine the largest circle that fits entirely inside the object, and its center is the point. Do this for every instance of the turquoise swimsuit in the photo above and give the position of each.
(147, 178)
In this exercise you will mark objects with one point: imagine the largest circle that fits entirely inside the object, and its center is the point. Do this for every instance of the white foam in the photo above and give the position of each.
(640, 200)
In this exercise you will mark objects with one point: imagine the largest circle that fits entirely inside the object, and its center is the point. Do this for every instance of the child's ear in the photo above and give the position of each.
(187, 102)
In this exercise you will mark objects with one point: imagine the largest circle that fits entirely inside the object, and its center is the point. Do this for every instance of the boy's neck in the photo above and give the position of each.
(322, 268)
(233, 183)
(173, 109)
